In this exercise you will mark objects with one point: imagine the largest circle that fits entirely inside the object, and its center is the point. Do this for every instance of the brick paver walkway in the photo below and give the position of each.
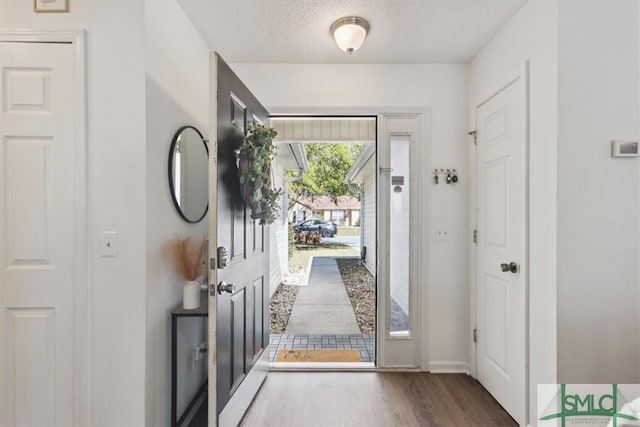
(365, 344)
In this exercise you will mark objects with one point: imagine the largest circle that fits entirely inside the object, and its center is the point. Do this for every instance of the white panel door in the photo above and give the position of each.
(501, 295)
(37, 208)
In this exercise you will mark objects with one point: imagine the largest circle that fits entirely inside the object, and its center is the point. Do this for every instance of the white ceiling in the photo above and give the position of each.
(402, 31)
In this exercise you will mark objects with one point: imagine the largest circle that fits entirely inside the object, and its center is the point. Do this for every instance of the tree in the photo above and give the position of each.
(328, 167)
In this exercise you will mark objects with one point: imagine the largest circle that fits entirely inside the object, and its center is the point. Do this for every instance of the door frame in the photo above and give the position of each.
(77, 38)
(212, 372)
(401, 352)
(510, 78)
(421, 270)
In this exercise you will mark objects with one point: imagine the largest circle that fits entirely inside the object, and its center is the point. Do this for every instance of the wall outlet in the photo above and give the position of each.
(442, 232)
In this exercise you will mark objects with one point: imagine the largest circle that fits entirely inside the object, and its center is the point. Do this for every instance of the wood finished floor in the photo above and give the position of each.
(373, 399)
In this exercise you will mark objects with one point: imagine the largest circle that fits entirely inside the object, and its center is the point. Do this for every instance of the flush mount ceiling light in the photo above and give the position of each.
(350, 33)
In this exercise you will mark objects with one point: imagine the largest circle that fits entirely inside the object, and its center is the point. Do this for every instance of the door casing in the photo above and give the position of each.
(402, 351)
(423, 149)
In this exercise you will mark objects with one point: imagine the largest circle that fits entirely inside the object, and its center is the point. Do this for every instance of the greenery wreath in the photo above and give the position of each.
(256, 154)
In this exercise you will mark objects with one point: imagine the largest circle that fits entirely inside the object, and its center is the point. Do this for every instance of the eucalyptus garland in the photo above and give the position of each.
(256, 154)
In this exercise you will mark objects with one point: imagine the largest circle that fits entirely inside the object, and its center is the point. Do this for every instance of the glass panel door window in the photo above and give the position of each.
(399, 237)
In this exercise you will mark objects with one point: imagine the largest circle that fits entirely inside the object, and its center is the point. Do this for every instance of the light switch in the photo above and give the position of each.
(109, 244)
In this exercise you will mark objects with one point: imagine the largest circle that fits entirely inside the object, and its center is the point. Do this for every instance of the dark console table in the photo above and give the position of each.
(176, 314)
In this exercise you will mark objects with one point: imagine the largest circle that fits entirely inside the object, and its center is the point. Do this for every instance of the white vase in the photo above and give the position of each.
(191, 295)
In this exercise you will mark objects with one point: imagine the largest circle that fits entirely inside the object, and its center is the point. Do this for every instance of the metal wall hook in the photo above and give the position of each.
(451, 175)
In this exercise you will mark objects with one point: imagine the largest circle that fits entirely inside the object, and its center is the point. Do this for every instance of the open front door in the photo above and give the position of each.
(239, 311)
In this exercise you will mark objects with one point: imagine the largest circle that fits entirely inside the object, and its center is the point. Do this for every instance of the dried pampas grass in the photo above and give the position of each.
(188, 257)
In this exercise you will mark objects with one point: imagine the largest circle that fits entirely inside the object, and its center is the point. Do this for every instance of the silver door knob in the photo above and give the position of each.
(226, 287)
(512, 267)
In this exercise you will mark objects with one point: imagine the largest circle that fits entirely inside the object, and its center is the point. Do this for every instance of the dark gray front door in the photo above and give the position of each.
(242, 315)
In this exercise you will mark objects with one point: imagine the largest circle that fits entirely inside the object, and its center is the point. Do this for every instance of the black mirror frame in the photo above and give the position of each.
(172, 189)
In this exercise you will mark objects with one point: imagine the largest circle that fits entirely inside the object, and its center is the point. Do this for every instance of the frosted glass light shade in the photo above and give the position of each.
(350, 33)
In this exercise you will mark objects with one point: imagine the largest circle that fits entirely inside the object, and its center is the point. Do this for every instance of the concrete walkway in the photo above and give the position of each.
(323, 306)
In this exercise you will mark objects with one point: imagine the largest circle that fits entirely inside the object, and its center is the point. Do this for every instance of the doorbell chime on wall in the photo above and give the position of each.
(449, 176)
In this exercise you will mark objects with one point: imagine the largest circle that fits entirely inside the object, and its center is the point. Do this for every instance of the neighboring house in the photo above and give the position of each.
(326, 130)
(346, 212)
(299, 212)
(363, 172)
(291, 157)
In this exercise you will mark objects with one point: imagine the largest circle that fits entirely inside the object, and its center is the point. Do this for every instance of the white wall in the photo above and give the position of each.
(177, 94)
(584, 68)
(116, 194)
(598, 196)
(278, 237)
(531, 35)
(129, 336)
(368, 217)
(443, 88)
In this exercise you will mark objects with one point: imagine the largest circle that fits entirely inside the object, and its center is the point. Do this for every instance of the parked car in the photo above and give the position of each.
(325, 228)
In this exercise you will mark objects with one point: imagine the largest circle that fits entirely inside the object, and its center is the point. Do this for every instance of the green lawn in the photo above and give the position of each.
(348, 231)
(300, 256)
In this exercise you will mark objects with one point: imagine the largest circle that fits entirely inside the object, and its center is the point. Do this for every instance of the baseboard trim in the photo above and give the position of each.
(449, 368)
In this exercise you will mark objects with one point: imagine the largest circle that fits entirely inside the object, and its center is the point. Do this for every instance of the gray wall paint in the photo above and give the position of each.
(177, 94)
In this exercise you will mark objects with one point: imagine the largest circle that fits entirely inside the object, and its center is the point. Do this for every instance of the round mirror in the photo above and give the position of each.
(189, 174)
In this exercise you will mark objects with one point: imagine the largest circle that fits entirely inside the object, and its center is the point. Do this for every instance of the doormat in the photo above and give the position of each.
(318, 356)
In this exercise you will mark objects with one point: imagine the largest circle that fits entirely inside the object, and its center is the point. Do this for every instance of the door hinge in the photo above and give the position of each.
(474, 134)
(475, 335)
(475, 236)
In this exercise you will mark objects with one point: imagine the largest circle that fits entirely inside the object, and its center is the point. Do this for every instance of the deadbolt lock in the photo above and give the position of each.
(223, 257)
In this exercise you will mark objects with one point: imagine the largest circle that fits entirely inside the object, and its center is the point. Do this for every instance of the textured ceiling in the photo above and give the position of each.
(402, 31)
